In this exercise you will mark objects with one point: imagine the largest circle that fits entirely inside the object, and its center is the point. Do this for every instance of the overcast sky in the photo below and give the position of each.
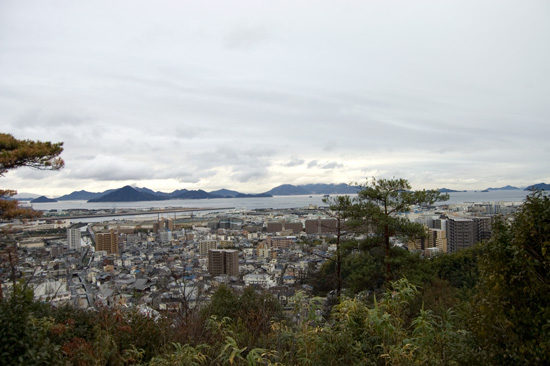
(247, 95)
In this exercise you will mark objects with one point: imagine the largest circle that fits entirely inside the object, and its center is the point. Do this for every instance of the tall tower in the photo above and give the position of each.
(73, 238)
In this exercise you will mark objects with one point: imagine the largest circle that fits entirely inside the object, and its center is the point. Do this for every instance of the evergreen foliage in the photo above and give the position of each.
(16, 153)
(511, 306)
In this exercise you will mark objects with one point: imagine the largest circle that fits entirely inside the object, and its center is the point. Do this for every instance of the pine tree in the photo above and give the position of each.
(16, 153)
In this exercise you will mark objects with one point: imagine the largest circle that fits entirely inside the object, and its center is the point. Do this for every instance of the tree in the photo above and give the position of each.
(16, 153)
(380, 202)
(341, 208)
(24, 338)
(375, 214)
(34, 154)
(510, 312)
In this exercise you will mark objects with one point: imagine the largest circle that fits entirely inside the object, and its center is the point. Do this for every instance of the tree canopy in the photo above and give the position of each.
(16, 153)
(511, 309)
(382, 200)
(376, 212)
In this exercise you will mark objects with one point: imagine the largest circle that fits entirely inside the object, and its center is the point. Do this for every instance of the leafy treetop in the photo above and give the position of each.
(376, 211)
(16, 153)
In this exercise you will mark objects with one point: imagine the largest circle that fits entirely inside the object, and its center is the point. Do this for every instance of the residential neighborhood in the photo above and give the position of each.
(175, 264)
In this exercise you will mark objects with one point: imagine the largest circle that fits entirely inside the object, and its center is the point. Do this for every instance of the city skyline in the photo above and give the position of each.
(248, 95)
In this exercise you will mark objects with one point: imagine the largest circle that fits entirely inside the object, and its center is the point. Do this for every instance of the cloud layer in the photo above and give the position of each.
(248, 95)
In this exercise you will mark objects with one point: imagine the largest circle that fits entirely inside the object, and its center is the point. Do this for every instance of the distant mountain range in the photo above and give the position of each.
(130, 194)
(83, 195)
(305, 189)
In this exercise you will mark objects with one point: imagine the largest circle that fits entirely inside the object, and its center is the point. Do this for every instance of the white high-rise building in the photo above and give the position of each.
(73, 238)
(165, 236)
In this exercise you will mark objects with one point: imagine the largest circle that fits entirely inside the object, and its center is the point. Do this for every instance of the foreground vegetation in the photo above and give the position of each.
(487, 305)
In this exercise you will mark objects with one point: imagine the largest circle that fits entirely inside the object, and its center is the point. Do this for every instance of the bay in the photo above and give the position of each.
(276, 202)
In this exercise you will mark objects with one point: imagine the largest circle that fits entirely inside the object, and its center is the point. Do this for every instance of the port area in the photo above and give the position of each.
(83, 214)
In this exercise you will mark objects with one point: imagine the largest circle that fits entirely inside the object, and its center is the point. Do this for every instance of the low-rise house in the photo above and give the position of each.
(259, 279)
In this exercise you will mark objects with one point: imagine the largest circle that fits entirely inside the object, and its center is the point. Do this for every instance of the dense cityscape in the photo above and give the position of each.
(156, 264)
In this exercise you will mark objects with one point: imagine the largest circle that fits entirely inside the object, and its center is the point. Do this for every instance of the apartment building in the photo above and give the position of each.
(321, 226)
(223, 262)
(465, 232)
(73, 238)
(206, 245)
(107, 241)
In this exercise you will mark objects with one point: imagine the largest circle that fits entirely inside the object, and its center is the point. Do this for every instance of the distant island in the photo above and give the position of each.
(538, 186)
(43, 199)
(447, 190)
(505, 188)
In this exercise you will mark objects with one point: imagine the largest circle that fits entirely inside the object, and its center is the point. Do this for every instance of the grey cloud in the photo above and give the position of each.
(211, 95)
(312, 164)
(45, 118)
(229, 156)
(325, 165)
(189, 179)
(33, 174)
(240, 165)
(104, 168)
(183, 131)
(331, 165)
(294, 162)
(246, 175)
(185, 174)
(330, 146)
(246, 36)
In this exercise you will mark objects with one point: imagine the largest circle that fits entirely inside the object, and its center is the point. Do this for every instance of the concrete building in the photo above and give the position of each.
(259, 279)
(223, 262)
(163, 224)
(73, 238)
(280, 241)
(483, 228)
(296, 227)
(165, 236)
(107, 241)
(207, 245)
(321, 226)
(56, 250)
(460, 233)
(263, 252)
(437, 238)
(465, 232)
(224, 223)
(274, 226)
(236, 223)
